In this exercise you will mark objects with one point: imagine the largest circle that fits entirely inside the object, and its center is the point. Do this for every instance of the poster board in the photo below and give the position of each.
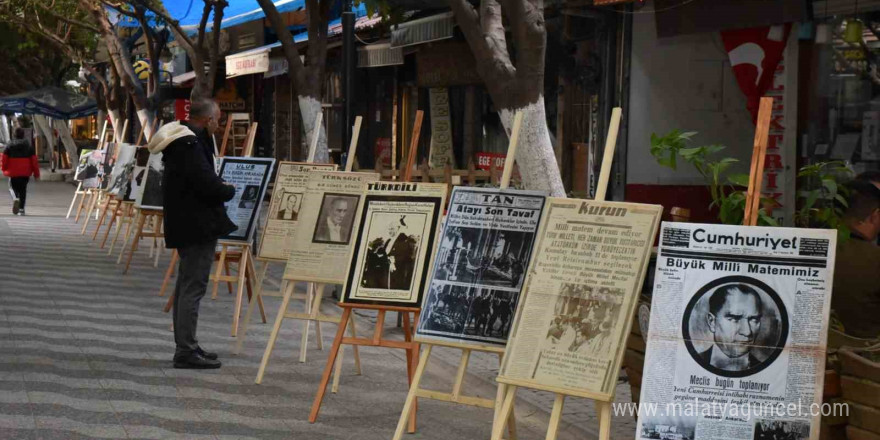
(581, 291)
(321, 252)
(139, 174)
(738, 329)
(89, 168)
(150, 195)
(480, 266)
(392, 254)
(123, 170)
(110, 151)
(284, 209)
(250, 177)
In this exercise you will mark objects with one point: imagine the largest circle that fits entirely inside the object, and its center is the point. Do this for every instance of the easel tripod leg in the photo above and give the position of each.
(411, 396)
(239, 295)
(304, 343)
(328, 369)
(504, 413)
(555, 417)
(258, 294)
(604, 420)
(275, 329)
(217, 272)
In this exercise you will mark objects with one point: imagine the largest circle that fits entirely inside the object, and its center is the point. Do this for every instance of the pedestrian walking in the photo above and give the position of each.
(194, 219)
(19, 163)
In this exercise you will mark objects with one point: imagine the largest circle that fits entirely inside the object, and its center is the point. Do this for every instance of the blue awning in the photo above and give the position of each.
(54, 102)
(189, 12)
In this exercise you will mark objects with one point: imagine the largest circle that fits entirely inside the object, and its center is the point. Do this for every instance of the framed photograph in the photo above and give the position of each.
(250, 176)
(336, 218)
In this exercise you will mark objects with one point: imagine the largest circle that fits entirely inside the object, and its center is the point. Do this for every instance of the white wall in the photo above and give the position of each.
(682, 83)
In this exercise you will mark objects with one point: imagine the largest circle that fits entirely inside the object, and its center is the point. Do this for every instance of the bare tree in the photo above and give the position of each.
(515, 78)
(307, 78)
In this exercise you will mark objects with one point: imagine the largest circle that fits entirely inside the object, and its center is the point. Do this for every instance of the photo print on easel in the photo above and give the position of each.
(395, 242)
(480, 265)
(250, 176)
(88, 171)
(150, 195)
(138, 175)
(320, 250)
(123, 170)
(285, 208)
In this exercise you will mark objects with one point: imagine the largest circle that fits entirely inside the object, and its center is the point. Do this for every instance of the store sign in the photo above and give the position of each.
(247, 63)
(181, 109)
(441, 129)
(487, 161)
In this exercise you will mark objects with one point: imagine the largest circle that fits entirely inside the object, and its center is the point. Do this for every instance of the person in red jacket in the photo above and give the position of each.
(19, 162)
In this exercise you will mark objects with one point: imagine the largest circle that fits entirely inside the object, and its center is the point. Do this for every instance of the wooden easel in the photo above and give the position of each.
(759, 152)
(156, 216)
(126, 216)
(411, 347)
(504, 407)
(80, 192)
(313, 296)
(98, 195)
(119, 213)
(456, 395)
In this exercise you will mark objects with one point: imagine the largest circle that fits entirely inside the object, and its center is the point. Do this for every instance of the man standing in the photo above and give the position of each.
(194, 219)
(734, 319)
(856, 299)
(19, 163)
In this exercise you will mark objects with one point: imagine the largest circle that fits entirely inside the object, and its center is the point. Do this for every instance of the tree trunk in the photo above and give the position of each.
(535, 155)
(309, 107)
(147, 118)
(116, 122)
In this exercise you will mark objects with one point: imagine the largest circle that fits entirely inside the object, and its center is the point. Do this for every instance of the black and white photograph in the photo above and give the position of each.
(249, 197)
(484, 256)
(781, 430)
(109, 161)
(668, 428)
(584, 318)
(151, 192)
(392, 250)
(288, 209)
(470, 313)
(335, 219)
(88, 171)
(736, 326)
(138, 174)
(121, 174)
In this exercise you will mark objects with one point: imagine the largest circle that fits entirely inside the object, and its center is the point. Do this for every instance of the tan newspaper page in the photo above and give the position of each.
(327, 225)
(287, 199)
(391, 259)
(738, 332)
(583, 284)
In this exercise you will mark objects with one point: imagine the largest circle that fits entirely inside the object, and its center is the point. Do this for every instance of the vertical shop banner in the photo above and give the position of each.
(441, 128)
(181, 109)
(580, 294)
(392, 254)
(484, 250)
(764, 62)
(284, 210)
(250, 176)
(738, 332)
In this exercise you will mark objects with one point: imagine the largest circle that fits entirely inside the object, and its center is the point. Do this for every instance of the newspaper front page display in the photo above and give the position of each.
(580, 294)
(738, 331)
(284, 209)
(484, 250)
(327, 221)
(250, 176)
(395, 243)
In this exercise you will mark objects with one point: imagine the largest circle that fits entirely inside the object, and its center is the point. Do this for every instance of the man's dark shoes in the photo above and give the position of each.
(195, 361)
(207, 354)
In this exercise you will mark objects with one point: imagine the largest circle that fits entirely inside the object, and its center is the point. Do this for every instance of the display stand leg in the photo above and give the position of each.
(227, 271)
(331, 359)
(102, 217)
(128, 231)
(114, 216)
(555, 417)
(157, 242)
(352, 329)
(142, 218)
(250, 275)
(218, 270)
(504, 413)
(76, 193)
(239, 295)
(604, 420)
(124, 223)
(288, 292)
(170, 272)
(82, 202)
(91, 205)
(258, 293)
(411, 396)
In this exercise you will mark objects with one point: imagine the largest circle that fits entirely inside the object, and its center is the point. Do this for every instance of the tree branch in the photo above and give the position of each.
(485, 35)
(295, 65)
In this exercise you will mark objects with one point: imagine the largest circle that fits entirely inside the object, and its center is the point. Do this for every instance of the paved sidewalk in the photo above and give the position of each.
(85, 352)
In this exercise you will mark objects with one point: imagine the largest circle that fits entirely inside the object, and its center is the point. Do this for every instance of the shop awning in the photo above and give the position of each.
(423, 30)
(248, 62)
(53, 102)
(378, 55)
(189, 12)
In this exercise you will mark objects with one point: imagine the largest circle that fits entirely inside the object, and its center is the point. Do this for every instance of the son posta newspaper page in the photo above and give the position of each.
(284, 209)
(738, 330)
(391, 257)
(327, 226)
(580, 295)
(480, 266)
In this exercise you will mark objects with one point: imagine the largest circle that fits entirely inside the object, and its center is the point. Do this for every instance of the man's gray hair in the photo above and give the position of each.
(202, 108)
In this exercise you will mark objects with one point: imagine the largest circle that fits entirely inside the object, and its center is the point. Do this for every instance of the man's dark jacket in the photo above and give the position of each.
(193, 194)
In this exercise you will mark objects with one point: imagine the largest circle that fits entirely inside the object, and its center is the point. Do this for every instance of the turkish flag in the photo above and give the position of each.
(754, 55)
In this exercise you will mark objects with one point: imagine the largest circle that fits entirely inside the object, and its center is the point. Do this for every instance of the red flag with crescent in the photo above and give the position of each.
(754, 55)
